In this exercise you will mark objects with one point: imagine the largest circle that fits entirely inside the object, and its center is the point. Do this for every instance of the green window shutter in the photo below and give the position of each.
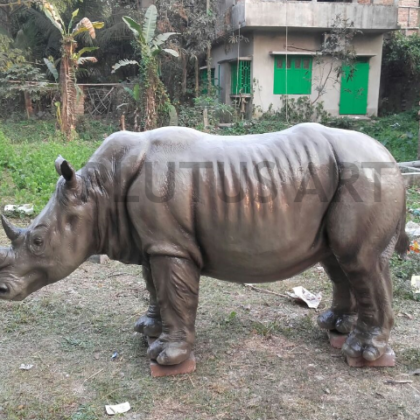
(299, 75)
(240, 77)
(204, 81)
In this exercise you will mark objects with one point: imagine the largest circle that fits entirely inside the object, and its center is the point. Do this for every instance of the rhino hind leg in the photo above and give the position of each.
(342, 315)
(374, 296)
(370, 282)
(150, 324)
(177, 283)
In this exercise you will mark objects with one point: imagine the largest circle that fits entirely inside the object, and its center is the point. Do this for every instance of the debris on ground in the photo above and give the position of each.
(415, 212)
(415, 247)
(258, 289)
(26, 367)
(415, 286)
(415, 372)
(412, 229)
(25, 210)
(301, 294)
(114, 356)
(117, 409)
(406, 315)
(397, 382)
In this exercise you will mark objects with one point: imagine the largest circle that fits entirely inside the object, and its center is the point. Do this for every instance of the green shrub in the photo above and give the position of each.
(217, 112)
(30, 175)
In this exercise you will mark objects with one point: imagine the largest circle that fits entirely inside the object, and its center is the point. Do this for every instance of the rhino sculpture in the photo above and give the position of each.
(257, 208)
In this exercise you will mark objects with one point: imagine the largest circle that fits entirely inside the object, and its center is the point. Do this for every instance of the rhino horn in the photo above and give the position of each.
(12, 232)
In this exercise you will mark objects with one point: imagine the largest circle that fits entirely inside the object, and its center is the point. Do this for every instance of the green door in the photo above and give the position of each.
(354, 89)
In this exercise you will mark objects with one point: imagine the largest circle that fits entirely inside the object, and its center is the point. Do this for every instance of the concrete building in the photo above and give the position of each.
(276, 51)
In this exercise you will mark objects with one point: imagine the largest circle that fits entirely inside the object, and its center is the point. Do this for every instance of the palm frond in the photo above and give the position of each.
(161, 38)
(53, 15)
(51, 68)
(171, 52)
(84, 60)
(85, 50)
(134, 27)
(123, 63)
(85, 25)
(150, 21)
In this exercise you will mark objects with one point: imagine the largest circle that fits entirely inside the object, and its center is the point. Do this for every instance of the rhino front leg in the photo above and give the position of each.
(150, 324)
(342, 315)
(177, 283)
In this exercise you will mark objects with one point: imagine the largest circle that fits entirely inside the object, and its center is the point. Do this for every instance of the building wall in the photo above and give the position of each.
(381, 15)
(408, 16)
(262, 43)
(223, 52)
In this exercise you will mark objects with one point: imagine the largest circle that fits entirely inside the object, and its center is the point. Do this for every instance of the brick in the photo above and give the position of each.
(188, 366)
(387, 360)
(412, 3)
(336, 339)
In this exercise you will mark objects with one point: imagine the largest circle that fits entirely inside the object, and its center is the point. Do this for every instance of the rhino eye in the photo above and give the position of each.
(38, 241)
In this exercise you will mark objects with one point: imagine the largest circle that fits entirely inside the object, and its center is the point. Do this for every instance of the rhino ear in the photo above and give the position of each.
(64, 169)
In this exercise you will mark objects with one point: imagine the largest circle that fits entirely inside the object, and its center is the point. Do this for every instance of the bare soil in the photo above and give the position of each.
(259, 356)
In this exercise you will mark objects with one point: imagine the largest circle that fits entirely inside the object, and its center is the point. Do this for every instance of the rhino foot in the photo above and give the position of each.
(331, 320)
(169, 353)
(151, 327)
(368, 342)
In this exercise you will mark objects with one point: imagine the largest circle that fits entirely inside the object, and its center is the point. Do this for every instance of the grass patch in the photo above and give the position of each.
(29, 175)
(410, 357)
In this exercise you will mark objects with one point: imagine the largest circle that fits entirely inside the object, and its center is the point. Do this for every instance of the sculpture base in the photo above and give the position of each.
(159, 371)
(188, 366)
(387, 360)
(336, 339)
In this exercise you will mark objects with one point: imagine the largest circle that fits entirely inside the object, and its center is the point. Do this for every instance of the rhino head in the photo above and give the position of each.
(55, 243)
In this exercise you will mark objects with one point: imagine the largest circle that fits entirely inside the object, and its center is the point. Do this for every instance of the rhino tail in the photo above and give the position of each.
(403, 243)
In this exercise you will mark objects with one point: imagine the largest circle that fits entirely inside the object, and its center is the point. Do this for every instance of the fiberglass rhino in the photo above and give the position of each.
(250, 209)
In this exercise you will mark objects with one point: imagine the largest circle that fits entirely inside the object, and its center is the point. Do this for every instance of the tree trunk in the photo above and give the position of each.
(184, 73)
(68, 92)
(209, 84)
(197, 78)
(418, 147)
(28, 105)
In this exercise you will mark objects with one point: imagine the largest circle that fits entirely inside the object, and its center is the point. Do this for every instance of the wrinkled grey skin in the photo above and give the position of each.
(110, 207)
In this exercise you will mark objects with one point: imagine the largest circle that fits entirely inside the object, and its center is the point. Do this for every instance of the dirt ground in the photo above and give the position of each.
(259, 356)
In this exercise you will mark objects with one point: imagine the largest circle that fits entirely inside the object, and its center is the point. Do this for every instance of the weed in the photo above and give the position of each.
(402, 271)
(84, 412)
(410, 357)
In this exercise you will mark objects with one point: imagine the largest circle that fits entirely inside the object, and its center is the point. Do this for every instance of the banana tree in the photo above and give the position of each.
(70, 61)
(153, 98)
